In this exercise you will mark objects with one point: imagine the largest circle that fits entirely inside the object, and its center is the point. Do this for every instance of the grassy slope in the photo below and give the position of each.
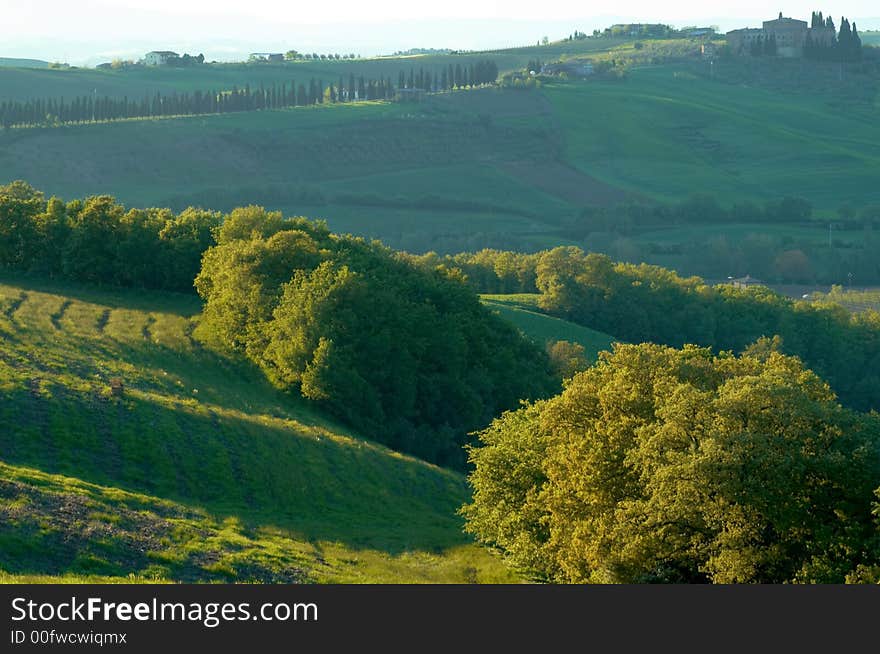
(520, 309)
(12, 62)
(387, 151)
(200, 471)
(665, 133)
(661, 133)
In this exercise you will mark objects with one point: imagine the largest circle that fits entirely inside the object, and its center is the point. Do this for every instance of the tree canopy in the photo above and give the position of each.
(665, 465)
(407, 356)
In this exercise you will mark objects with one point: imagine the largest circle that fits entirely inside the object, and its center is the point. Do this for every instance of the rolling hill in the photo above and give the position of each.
(505, 168)
(140, 81)
(667, 133)
(521, 310)
(11, 62)
(128, 448)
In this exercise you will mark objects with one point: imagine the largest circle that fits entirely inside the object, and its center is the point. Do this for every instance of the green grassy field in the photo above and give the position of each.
(198, 470)
(558, 49)
(665, 133)
(520, 309)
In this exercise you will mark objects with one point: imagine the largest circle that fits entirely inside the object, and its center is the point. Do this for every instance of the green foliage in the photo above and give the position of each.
(638, 303)
(96, 240)
(407, 356)
(663, 465)
(567, 358)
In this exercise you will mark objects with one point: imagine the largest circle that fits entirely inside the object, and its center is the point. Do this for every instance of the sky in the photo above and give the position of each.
(86, 32)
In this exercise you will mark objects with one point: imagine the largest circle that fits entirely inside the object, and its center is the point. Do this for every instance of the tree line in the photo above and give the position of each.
(654, 465)
(845, 46)
(293, 55)
(90, 108)
(641, 302)
(449, 77)
(98, 240)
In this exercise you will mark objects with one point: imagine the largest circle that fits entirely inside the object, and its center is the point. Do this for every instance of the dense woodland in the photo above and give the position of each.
(409, 357)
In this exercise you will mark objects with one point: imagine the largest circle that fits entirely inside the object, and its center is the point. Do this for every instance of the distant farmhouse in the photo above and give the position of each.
(570, 69)
(744, 282)
(160, 57)
(788, 35)
(266, 56)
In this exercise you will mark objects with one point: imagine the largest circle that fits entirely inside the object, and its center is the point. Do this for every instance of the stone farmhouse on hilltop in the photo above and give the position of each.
(789, 34)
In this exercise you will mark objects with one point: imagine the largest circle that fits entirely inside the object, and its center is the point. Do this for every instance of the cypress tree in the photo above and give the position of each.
(856, 43)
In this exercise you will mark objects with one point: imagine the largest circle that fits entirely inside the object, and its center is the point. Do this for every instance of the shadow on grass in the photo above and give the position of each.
(114, 297)
(275, 476)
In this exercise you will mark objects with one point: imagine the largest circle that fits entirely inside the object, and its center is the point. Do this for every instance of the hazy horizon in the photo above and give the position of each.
(127, 29)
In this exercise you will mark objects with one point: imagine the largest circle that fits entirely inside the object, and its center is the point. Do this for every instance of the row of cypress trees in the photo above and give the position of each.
(91, 108)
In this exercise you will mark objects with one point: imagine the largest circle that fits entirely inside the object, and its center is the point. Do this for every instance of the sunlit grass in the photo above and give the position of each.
(198, 470)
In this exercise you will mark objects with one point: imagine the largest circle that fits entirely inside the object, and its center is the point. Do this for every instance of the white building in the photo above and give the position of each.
(159, 57)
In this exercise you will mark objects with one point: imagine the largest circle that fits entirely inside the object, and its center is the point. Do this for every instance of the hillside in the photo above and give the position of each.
(520, 310)
(368, 168)
(195, 469)
(11, 62)
(667, 133)
(140, 81)
(514, 169)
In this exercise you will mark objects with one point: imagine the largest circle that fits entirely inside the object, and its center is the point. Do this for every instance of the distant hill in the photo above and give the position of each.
(194, 469)
(10, 62)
